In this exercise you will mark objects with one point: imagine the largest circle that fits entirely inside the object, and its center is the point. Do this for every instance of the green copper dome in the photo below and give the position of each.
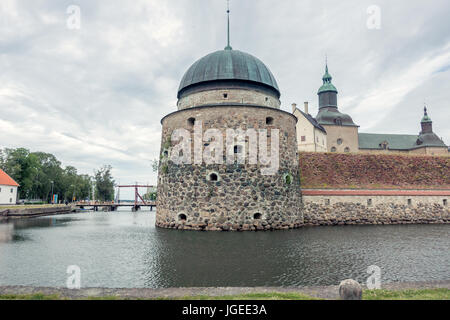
(327, 85)
(225, 65)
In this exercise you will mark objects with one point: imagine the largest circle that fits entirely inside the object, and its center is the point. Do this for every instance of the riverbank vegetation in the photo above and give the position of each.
(39, 173)
(420, 294)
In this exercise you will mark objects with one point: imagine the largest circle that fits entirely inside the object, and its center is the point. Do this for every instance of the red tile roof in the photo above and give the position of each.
(6, 180)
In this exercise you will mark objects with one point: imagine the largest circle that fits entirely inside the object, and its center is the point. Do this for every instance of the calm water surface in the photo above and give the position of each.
(124, 249)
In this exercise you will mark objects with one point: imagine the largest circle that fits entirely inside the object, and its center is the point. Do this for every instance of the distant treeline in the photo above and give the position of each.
(38, 172)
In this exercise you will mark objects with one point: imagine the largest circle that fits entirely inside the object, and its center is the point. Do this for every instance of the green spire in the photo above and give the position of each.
(327, 85)
(425, 118)
(228, 47)
(327, 77)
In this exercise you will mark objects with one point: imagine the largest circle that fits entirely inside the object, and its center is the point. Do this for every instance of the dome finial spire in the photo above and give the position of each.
(228, 47)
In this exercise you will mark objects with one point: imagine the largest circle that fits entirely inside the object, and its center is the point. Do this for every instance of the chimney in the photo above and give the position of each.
(306, 107)
(294, 107)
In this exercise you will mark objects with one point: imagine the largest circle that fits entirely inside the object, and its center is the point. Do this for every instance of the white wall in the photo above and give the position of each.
(6, 196)
(315, 140)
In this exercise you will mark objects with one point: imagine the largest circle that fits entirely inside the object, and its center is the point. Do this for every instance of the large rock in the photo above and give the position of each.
(350, 290)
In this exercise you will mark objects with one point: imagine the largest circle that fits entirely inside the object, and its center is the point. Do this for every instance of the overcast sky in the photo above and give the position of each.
(96, 95)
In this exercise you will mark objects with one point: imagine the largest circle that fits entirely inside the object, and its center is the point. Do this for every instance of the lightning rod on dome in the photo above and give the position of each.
(228, 47)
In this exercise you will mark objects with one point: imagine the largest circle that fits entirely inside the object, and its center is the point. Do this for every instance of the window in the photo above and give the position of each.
(369, 202)
(338, 121)
(12, 190)
(445, 202)
(269, 121)
(327, 202)
(0, 189)
(257, 216)
(237, 149)
(182, 217)
(303, 138)
(333, 149)
(212, 177)
(191, 122)
(339, 141)
(347, 149)
(225, 95)
(409, 202)
(267, 99)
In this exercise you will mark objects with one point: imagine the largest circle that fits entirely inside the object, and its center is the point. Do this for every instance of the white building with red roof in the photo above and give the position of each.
(8, 189)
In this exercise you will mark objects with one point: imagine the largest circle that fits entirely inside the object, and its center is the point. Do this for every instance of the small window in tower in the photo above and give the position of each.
(333, 149)
(369, 202)
(257, 216)
(237, 149)
(182, 217)
(339, 141)
(445, 202)
(191, 122)
(269, 121)
(267, 99)
(303, 138)
(347, 149)
(225, 95)
(338, 121)
(409, 202)
(213, 177)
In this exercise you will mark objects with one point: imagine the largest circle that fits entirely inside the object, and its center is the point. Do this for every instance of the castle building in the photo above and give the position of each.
(229, 91)
(311, 136)
(426, 143)
(342, 134)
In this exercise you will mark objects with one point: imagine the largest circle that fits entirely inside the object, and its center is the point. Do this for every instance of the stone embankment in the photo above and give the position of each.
(355, 207)
(30, 212)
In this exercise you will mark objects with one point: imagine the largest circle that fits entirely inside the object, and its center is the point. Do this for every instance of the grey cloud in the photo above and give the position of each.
(96, 95)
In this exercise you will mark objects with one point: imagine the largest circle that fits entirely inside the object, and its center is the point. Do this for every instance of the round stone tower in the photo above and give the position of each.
(229, 157)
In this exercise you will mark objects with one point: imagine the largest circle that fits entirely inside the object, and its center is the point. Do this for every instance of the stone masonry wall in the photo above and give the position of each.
(353, 210)
(228, 96)
(242, 199)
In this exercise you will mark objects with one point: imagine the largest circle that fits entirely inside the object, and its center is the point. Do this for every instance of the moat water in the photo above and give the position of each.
(124, 249)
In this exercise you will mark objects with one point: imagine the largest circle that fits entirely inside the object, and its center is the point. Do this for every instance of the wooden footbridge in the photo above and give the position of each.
(138, 203)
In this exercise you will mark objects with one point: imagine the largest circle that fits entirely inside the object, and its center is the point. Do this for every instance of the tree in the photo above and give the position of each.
(37, 172)
(104, 184)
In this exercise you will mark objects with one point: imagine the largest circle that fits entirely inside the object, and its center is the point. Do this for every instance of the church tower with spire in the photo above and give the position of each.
(342, 132)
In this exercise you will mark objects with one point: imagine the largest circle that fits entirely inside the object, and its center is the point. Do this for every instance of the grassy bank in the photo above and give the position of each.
(424, 294)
